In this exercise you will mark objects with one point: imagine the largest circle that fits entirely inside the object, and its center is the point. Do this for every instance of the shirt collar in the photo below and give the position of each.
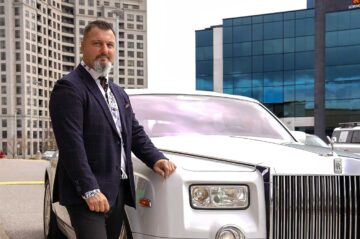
(95, 75)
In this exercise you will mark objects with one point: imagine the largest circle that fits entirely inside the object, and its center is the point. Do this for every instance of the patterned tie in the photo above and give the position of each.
(105, 86)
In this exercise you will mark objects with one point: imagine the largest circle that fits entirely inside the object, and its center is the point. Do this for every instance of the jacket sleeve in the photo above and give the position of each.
(66, 112)
(141, 144)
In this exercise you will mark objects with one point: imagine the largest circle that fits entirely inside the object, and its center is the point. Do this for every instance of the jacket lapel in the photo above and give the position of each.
(94, 89)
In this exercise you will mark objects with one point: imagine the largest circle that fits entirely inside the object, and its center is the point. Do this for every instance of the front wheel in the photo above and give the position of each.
(51, 230)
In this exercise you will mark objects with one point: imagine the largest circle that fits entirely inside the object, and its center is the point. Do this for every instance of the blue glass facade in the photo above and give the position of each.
(204, 60)
(342, 81)
(272, 58)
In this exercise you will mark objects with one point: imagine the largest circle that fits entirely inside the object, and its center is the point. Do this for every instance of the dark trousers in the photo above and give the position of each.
(94, 225)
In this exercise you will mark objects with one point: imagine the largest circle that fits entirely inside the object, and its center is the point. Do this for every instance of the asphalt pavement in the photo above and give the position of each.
(21, 198)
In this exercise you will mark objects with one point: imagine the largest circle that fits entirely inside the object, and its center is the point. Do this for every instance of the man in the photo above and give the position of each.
(96, 130)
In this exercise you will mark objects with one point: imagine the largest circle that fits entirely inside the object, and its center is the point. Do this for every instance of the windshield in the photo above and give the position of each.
(168, 115)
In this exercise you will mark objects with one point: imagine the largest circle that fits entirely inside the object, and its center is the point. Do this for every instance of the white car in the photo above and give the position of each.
(240, 174)
(347, 137)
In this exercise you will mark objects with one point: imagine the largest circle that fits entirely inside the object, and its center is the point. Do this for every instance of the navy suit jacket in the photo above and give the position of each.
(89, 144)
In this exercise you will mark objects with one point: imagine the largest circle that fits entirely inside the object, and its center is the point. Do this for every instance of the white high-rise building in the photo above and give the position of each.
(40, 42)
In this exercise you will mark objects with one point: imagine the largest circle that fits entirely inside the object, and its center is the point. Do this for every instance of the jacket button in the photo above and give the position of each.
(118, 142)
(117, 168)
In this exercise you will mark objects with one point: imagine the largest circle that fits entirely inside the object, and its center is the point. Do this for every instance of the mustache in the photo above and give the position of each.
(102, 55)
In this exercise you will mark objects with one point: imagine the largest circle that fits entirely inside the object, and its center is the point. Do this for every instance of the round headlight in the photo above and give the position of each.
(200, 196)
(229, 232)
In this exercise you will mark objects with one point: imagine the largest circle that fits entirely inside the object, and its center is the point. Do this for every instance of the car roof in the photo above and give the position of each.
(348, 126)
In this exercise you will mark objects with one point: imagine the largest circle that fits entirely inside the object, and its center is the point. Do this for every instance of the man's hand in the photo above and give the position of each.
(164, 167)
(98, 203)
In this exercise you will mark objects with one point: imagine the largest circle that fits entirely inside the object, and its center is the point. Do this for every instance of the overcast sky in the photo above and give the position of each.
(171, 33)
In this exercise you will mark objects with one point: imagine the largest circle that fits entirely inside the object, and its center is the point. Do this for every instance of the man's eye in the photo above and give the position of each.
(110, 45)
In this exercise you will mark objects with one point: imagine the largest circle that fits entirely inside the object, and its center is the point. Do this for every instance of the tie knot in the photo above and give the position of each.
(103, 83)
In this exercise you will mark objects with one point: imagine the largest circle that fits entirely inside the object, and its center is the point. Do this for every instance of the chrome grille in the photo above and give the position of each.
(315, 207)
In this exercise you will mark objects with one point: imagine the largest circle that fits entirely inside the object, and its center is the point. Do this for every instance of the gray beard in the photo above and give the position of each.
(103, 69)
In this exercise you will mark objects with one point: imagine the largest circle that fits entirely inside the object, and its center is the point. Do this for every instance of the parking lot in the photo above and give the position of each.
(21, 198)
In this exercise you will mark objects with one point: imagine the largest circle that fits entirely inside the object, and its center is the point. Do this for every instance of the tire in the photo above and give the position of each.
(125, 232)
(51, 229)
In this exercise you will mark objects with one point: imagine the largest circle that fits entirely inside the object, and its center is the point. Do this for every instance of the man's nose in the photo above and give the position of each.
(104, 48)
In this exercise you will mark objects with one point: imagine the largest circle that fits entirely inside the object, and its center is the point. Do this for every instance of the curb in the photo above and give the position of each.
(3, 233)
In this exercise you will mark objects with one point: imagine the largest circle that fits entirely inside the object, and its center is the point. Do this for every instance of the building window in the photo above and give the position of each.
(140, 54)
(131, 81)
(17, 23)
(4, 134)
(130, 44)
(4, 123)
(130, 17)
(131, 72)
(3, 101)
(131, 63)
(140, 72)
(140, 45)
(140, 81)
(139, 18)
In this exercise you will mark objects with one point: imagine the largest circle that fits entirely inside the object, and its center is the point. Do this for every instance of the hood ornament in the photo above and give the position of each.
(332, 142)
(338, 168)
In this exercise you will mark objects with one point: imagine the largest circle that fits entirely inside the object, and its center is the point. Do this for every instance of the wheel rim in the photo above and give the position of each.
(47, 209)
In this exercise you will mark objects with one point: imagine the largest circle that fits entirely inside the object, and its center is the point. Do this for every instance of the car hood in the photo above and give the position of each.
(282, 157)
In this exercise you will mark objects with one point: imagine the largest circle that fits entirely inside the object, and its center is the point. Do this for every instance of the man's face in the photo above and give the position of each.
(98, 45)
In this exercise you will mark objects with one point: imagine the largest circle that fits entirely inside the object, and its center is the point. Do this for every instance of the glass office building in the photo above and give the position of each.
(303, 65)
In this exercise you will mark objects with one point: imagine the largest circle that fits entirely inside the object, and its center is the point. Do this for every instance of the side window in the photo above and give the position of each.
(356, 137)
(344, 136)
